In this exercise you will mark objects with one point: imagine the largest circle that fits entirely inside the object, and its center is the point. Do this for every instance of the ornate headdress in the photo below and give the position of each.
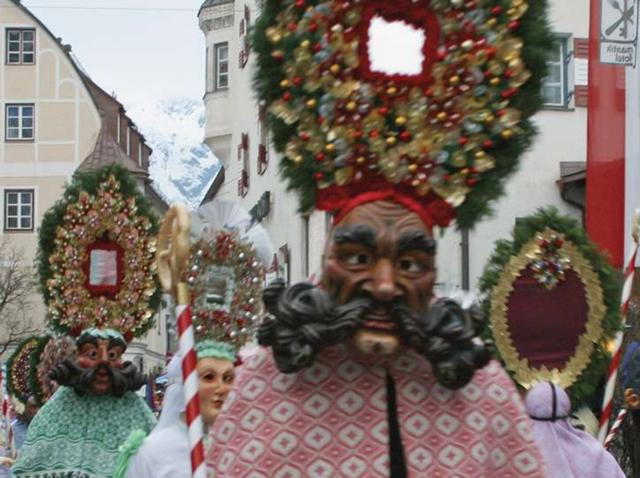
(96, 256)
(439, 140)
(550, 280)
(226, 277)
(20, 365)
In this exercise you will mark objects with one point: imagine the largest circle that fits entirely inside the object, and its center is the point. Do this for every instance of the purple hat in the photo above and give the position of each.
(567, 451)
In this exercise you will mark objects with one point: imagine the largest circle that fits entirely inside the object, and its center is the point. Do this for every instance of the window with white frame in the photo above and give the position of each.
(18, 209)
(221, 60)
(19, 121)
(555, 87)
(21, 46)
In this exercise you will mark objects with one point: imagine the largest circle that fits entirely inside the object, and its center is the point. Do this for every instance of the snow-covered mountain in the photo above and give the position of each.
(181, 166)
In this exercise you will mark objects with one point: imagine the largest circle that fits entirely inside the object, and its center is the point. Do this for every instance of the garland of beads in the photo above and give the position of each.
(105, 214)
(434, 133)
(234, 320)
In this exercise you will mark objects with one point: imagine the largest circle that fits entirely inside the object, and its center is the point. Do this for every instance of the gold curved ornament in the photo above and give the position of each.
(173, 249)
(525, 374)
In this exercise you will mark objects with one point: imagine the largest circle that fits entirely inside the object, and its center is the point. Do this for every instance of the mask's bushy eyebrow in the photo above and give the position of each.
(416, 240)
(114, 342)
(358, 234)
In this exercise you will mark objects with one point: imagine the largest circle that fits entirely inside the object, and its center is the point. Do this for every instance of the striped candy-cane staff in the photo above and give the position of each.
(607, 402)
(173, 259)
(615, 428)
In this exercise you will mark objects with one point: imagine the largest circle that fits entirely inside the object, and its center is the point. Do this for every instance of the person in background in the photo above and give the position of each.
(20, 424)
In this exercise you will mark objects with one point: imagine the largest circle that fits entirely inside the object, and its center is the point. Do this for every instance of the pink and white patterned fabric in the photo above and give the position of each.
(331, 420)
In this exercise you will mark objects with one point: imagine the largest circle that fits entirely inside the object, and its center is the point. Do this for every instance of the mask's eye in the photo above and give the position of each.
(113, 355)
(409, 264)
(228, 378)
(92, 354)
(358, 259)
(209, 377)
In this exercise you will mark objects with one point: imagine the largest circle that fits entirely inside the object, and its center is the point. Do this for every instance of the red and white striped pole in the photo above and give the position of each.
(172, 258)
(607, 402)
(191, 398)
(615, 428)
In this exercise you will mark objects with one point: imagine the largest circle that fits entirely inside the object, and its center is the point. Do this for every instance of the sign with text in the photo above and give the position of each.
(619, 32)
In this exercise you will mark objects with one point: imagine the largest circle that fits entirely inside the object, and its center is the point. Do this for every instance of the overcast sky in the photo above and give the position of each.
(141, 49)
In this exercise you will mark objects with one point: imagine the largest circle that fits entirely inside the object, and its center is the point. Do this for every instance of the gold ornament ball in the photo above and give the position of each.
(305, 44)
(494, 81)
(401, 120)
(351, 106)
(285, 84)
(330, 147)
(298, 159)
(413, 168)
(507, 134)
(454, 80)
(334, 69)
(391, 140)
(467, 45)
(392, 91)
(361, 160)
(311, 103)
(442, 116)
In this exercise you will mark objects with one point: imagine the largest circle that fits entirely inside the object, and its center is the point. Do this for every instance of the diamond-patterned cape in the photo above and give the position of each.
(331, 420)
(78, 436)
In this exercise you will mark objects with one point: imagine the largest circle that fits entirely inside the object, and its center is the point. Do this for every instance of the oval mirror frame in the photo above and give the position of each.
(523, 372)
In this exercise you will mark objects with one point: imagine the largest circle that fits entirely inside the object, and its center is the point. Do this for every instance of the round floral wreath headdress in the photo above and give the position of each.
(229, 259)
(96, 256)
(439, 141)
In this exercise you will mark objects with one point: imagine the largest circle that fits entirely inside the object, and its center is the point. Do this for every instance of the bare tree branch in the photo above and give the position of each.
(17, 287)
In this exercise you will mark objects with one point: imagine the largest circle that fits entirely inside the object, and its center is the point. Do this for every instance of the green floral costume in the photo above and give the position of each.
(76, 436)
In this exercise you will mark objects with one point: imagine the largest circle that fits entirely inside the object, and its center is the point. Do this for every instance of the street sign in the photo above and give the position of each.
(619, 31)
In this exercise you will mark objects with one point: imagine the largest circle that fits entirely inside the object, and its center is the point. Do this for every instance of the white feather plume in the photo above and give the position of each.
(218, 215)
(221, 214)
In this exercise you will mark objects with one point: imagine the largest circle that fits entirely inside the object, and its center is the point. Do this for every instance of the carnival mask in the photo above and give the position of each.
(215, 378)
(376, 292)
(98, 368)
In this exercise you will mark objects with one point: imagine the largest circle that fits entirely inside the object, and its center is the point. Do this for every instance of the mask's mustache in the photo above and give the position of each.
(70, 374)
(305, 319)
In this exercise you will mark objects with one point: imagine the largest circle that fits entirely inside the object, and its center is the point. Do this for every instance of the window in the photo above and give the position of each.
(243, 155)
(21, 46)
(18, 210)
(555, 87)
(19, 122)
(305, 247)
(222, 66)
(263, 134)
(244, 37)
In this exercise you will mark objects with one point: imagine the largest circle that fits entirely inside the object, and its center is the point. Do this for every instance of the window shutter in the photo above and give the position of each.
(242, 27)
(581, 52)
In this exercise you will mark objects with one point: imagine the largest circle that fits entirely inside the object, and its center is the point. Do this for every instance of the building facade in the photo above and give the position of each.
(52, 117)
(551, 173)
